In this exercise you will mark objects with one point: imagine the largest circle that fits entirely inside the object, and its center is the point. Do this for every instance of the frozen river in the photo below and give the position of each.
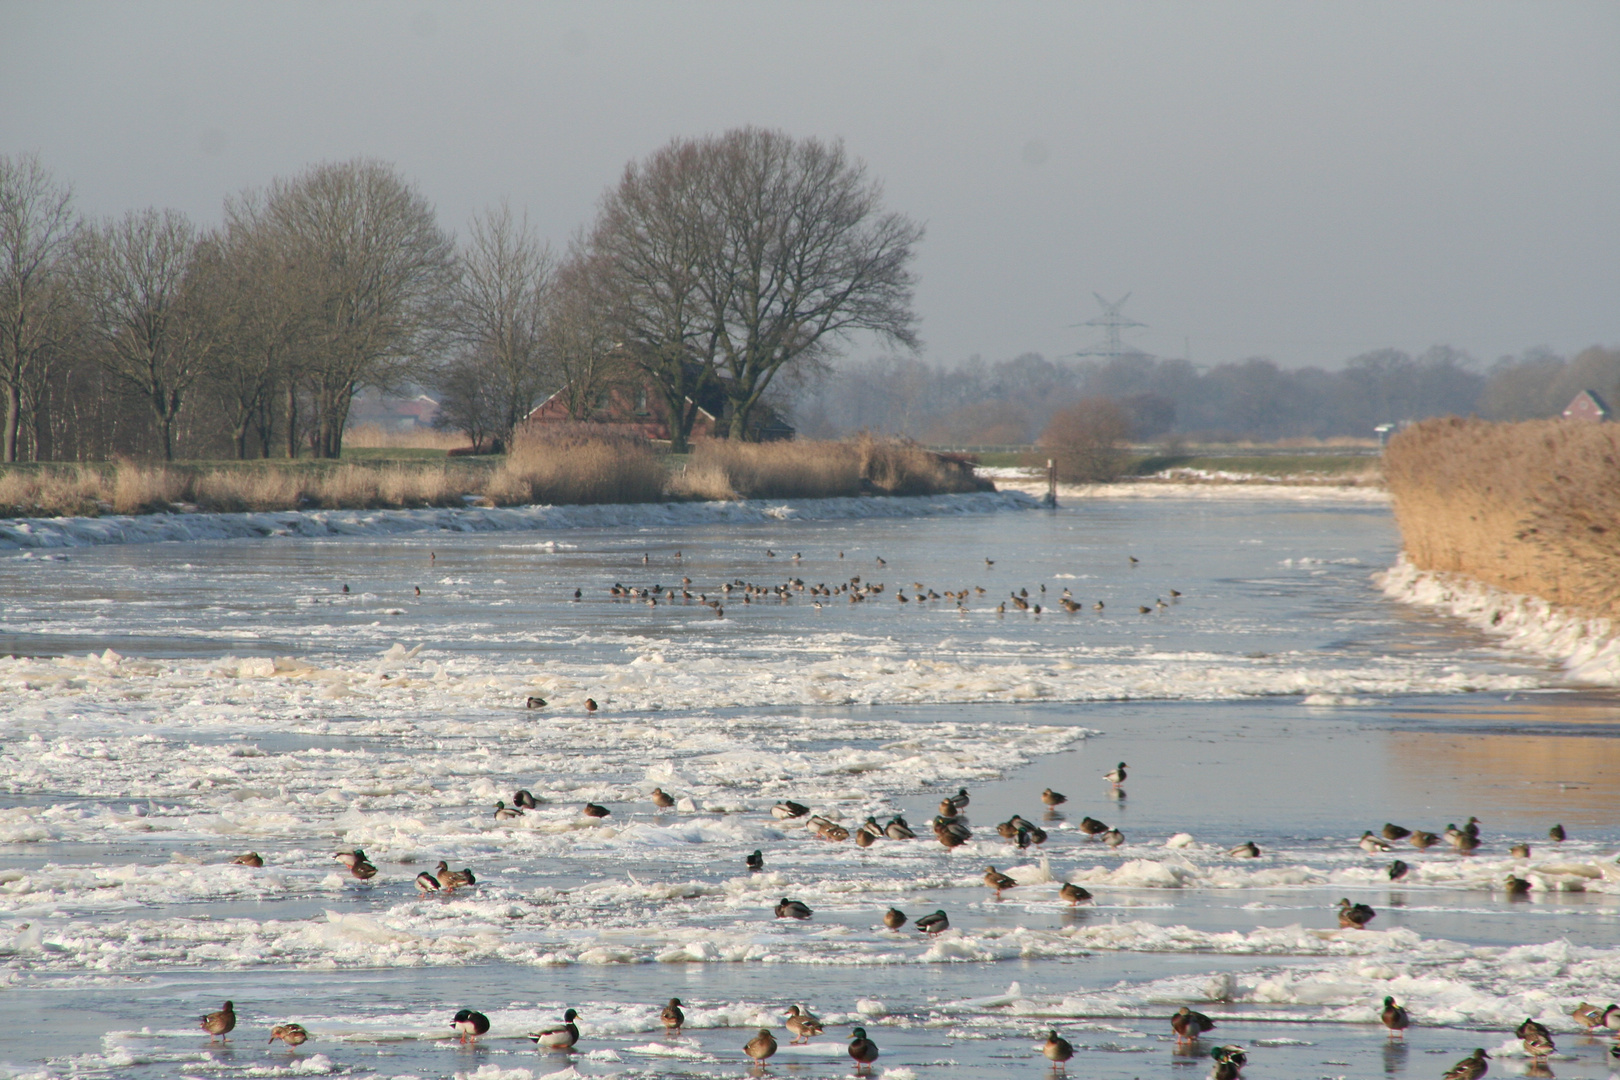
(170, 706)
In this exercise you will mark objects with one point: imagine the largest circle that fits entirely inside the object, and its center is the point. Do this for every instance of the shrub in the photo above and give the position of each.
(1086, 440)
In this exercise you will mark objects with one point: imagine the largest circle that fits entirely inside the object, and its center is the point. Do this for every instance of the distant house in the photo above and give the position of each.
(639, 409)
(393, 414)
(1588, 406)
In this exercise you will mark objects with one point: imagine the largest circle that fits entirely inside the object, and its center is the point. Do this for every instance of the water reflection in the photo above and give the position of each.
(1395, 1051)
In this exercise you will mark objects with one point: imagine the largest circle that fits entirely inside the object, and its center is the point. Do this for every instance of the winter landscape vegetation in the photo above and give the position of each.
(523, 558)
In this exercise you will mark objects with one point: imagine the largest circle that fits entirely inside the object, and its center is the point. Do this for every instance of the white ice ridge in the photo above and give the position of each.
(64, 532)
(1587, 648)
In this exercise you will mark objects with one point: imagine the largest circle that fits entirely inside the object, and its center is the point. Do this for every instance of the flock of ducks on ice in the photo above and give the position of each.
(951, 829)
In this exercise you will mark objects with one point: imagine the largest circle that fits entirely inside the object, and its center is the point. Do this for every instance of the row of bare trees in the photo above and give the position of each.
(719, 268)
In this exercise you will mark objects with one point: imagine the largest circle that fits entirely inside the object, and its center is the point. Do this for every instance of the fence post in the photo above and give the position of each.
(1051, 483)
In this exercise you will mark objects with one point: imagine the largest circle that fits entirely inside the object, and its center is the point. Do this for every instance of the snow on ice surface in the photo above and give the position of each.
(129, 781)
(1587, 648)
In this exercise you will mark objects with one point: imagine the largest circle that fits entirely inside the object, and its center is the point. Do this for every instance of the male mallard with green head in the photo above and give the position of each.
(559, 1038)
(862, 1049)
(1057, 1050)
(1395, 1018)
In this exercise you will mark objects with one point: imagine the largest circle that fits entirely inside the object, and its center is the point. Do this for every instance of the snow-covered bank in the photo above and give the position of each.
(63, 532)
(1587, 648)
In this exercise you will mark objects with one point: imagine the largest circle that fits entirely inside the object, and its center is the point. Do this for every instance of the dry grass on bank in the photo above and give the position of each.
(127, 487)
(571, 464)
(1530, 507)
(574, 464)
(819, 470)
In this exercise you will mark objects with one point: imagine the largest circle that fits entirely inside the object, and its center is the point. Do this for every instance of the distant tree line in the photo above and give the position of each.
(731, 264)
(1013, 401)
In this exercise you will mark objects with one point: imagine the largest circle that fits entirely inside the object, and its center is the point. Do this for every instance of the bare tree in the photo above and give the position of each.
(37, 230)
(1086, 439)
(142, 281)
(653, 237)
(807, 256)
(498, 318)
(738, 256)
(375, 268)
(581, 340)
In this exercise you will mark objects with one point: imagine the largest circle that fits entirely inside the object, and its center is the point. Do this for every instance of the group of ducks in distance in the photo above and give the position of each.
(856, 590)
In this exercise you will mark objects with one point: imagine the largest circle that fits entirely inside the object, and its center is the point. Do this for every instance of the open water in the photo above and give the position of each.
(169, 706)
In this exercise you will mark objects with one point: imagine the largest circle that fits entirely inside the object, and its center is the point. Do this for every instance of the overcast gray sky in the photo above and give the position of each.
(1299, 180)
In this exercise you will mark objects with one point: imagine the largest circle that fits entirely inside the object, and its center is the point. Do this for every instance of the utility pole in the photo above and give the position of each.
(1112, 321)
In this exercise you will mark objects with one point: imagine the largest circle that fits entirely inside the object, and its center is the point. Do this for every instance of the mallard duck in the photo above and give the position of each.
(755, 862)
(290, 1034)
(961, 799)
(471, 1024)
(1466, 844)
(522, 798)
(793, 909)
(1395, 1018)
(897, 829)
(1355, 916)
(1537, 1039)
(426, 882)
(1516, 886)
(1092, 827)
(1397, 870)
(894, 918)
(1395, 832)
(672, 1016)
(1556, 833)
(1588, 1016)
(1471, 827)
(1371, 844)
(997, 880)
(534, 702)
(1073, 893)
(761, 1046)
(865, 839)
(1520, 851)
(1116, 776)
(590, 704)
(250, 859)
(1225, 1070)
(1232, 1055)
(219, 1024)
(506, 813)
(559, 1038)
(1053, 798)
(828, 830)
(1029, 833)
(451, 880)
(662, 800)
(1423, 841)
(357, 863)
(1471, 1067)
(862, 1049)
(596, 810)
(1069, 605)
(1113, 838)
(937, 923)
(787, 808)
(1056, 1049)
(803, 1024)
(1189, 1025)
(1246, 850)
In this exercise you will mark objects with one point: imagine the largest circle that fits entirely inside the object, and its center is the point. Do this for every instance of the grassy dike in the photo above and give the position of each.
(1531, 508)
(570, 470)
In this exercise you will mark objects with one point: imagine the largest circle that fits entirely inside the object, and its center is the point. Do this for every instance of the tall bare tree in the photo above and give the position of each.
(498, 316)
(582, 343)
(37, 230)
(654, 238)
(807, 256)
(377, 270)
(739, 256)
(143, 281)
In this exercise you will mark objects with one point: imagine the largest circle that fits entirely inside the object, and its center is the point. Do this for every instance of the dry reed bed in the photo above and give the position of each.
(568, 466)
(820, 470)
(1530, 507)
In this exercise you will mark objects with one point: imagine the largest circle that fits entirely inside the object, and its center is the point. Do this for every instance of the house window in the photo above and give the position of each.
(641, 401)
(602, 401)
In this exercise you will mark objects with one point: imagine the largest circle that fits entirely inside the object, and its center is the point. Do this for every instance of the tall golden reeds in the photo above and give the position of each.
(577, 463)
(1530, 507)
